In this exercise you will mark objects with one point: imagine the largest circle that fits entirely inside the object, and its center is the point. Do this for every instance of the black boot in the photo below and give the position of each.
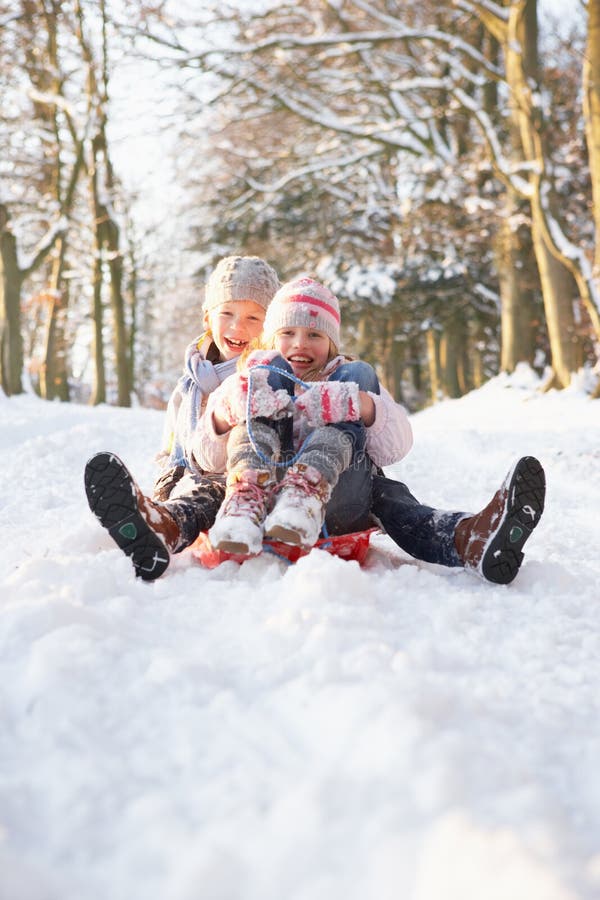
(141, 528)
(491, 542)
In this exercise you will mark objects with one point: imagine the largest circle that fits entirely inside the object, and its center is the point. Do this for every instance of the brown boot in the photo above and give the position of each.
(491, 542)
(141, 528)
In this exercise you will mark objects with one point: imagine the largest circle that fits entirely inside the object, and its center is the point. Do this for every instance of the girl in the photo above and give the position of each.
(345, 427)
(340, 424)
(186, 499)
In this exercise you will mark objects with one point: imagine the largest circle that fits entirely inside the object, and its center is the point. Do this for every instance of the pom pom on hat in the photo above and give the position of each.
(305, 303)
(240, 278)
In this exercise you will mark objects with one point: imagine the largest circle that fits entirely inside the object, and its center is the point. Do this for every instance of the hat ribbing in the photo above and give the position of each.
(305, 303)
(240, 278)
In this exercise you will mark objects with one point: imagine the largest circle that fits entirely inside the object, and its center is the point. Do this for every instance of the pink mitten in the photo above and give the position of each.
(231, 398)
(325, 402)
(264, 400)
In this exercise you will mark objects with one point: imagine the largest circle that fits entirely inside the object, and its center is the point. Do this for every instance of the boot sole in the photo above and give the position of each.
(235, 547)
(111, 496)
(285, 535)
(503, 555)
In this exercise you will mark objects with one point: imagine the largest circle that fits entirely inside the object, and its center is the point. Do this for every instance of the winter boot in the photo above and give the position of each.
(141, 528)
(491, 542)
(238, 527)
(299, 509)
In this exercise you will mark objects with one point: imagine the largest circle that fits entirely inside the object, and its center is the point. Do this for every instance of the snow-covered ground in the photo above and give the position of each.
(313, 732)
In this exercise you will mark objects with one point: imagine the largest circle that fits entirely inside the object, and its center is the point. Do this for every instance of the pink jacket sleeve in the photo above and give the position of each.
(390, 437)
(210, 448)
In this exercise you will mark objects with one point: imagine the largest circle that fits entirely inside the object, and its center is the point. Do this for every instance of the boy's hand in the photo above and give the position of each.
(327, 402)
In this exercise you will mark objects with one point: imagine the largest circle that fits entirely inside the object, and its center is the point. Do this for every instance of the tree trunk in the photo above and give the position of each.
(591, 110)
(133, 314)
(433, 361)
(54, 382)
(450, 358)
(11, 338)
(99, 371)
(115, 266)
(557, 290)
(522, 73)
(516, 314)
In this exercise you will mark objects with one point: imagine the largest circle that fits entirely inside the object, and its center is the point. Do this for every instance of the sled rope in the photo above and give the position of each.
(289, 462)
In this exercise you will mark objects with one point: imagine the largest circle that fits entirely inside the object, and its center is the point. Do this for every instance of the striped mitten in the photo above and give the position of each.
(326, 402)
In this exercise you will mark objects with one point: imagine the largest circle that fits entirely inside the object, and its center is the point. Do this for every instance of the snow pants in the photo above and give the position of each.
(192, 499)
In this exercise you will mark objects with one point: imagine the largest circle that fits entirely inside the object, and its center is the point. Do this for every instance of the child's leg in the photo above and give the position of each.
(489, 542)
(238, 527)
(306, 487)
(332, 478)
(349, 507)
(421, 531)
(194, 503)
(360, 372)
(252, 449)
(144, 530)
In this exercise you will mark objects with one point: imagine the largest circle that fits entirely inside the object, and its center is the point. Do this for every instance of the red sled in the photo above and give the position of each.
(348, 546)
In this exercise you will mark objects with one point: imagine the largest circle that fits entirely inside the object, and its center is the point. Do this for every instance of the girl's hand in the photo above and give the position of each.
(231, 401)
(367, 408)
(327, 402)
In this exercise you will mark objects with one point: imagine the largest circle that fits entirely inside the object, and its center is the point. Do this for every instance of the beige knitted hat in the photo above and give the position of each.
(240, 278)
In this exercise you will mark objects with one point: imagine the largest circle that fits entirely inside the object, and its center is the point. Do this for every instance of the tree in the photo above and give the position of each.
(12, 276)
(403, 88)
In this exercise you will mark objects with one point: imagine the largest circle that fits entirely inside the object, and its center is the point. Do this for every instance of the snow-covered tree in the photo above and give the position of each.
(413, 85)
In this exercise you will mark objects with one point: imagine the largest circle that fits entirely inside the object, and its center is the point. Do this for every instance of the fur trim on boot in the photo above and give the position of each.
(491, 542)
(142, 529)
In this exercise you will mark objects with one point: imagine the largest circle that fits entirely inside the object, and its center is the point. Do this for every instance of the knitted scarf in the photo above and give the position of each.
(199, 378)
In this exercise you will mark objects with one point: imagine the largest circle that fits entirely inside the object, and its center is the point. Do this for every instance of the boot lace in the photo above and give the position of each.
(297, 484)
(248, 500)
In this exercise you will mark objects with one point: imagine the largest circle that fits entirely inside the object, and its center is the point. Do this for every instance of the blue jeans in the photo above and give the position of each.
(421, 531)
(349, 507)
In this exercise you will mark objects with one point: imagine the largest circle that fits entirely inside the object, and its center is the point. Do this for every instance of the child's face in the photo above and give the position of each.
(233, 325)
(303, 348)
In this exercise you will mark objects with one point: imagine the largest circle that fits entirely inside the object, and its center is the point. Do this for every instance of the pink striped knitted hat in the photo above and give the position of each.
(303, 302)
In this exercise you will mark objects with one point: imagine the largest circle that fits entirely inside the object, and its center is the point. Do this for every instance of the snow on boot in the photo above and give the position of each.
(299, 509)
(238, 527)
(141, 528)
(491, 542)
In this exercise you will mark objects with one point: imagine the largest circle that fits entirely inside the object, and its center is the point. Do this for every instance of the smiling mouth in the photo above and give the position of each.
(235, 345)
(299, 360)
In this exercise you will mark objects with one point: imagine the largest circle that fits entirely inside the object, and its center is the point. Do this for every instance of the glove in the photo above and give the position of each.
(231, 398)
(325, 402)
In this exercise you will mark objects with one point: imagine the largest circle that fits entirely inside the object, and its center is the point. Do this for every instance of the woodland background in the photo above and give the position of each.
(436, 164)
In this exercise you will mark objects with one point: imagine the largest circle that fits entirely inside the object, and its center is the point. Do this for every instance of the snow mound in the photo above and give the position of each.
(313, 731)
